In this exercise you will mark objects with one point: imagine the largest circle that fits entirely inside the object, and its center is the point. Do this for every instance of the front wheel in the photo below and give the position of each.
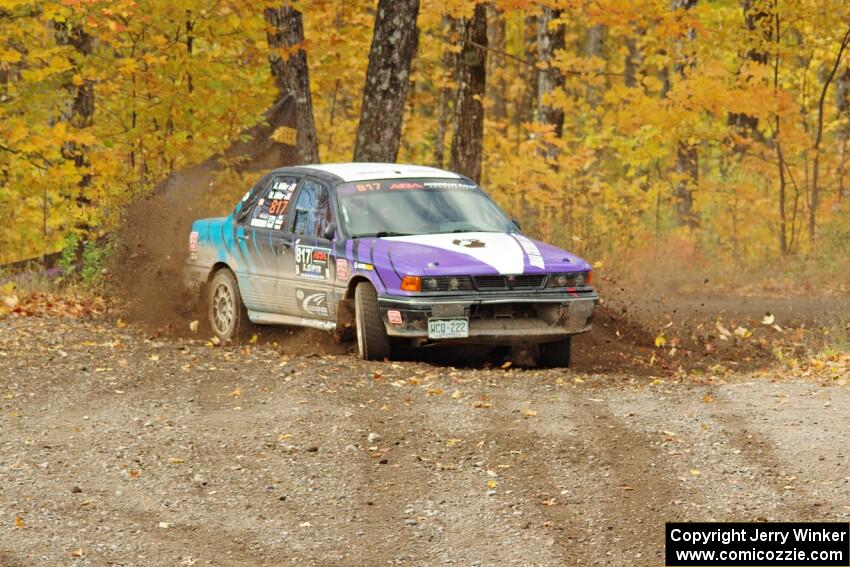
(373, 343)
(557, 354)
(227, 316)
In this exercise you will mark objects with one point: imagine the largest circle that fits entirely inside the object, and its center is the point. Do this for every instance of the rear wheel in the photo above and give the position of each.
(373, 343)
(226, 313)
(557, 354)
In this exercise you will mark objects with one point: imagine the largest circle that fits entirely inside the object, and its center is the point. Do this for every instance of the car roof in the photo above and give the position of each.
(366, 171)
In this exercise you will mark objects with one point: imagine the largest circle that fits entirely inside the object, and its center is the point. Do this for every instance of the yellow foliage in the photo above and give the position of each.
(662, 80)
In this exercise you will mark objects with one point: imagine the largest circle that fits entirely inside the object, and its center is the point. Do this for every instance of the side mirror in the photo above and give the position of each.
(330, 231)
(516, 224)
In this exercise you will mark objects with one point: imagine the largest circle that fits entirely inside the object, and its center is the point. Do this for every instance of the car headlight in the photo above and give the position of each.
(571, 279)
(430, 284)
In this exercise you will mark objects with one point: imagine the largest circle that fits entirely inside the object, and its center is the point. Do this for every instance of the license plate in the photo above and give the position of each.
(457, 328)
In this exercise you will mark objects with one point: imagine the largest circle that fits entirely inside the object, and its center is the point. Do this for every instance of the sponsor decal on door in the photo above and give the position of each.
(313, 301)
(312, 262)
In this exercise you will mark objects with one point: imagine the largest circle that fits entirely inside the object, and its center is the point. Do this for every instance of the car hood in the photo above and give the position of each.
(469, 253)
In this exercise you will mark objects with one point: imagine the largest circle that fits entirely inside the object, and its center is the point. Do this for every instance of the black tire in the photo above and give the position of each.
(557, 354)
(226, 314)
(373, 343)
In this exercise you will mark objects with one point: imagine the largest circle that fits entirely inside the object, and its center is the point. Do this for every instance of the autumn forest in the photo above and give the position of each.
(620, 129)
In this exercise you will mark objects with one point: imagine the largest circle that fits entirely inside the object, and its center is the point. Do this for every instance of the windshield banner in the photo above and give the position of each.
(393, 185)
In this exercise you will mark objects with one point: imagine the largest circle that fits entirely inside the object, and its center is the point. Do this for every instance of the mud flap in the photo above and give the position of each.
(345, 331)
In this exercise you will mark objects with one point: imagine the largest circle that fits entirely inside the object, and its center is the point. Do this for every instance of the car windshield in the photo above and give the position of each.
(401, 207)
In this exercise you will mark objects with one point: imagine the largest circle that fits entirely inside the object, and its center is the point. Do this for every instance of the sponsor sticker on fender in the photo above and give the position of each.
(394, 317)
(193, 245)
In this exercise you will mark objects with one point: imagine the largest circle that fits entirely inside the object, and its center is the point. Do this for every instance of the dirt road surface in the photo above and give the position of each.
(118, 449)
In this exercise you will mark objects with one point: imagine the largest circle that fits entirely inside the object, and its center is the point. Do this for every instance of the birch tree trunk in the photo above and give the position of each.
(288, 60)
(550, 79)
(387, 79)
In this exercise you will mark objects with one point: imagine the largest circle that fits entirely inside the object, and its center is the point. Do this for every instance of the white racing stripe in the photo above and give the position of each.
(501, 251)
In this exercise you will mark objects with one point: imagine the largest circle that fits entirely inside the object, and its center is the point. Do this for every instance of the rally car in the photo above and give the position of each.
(403, 253)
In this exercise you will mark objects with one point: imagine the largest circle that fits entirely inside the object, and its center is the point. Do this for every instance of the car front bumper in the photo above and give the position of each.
(493, 319)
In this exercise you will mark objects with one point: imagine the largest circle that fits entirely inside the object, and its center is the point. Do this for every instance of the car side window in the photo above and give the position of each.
(313, 213)
(270, 209)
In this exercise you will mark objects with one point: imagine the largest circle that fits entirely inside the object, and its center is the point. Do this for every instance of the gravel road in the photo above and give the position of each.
(118, 449)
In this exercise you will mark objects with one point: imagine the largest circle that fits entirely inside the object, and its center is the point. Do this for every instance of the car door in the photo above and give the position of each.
(308, 272)
(263, 238)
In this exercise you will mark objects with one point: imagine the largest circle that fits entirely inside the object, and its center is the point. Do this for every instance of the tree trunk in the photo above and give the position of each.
(468, 140)
(815, 197)
(387, 78)
(449, 61)
(632, 61)
(594, 46)
(687, 155)
(780, 157)
(550, 38)
(842, 109)
(288, 60)
(524, 111)
(79, 113)
(759, 20)
(497, 87)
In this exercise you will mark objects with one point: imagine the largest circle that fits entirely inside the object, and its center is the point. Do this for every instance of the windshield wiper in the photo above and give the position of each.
(381, 234)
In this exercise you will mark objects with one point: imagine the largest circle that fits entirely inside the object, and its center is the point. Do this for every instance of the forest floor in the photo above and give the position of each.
(120, 445)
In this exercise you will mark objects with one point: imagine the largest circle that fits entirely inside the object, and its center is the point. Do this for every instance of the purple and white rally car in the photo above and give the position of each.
(404, 253)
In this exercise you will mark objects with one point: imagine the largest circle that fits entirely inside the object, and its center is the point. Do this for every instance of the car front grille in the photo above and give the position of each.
(503, 283)
(483, 283)
(526, 282)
